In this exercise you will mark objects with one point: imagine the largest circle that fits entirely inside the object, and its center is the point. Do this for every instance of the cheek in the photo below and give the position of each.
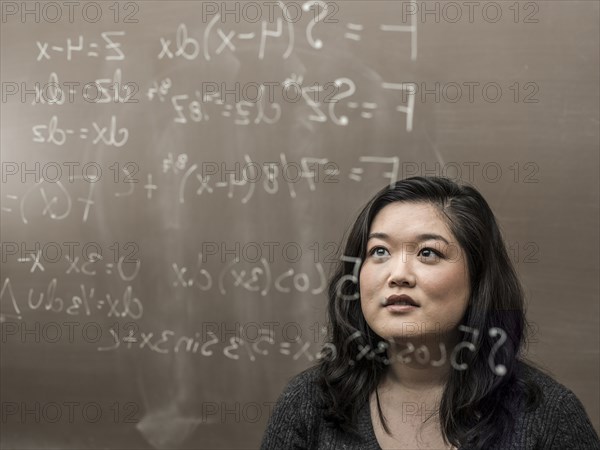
(369, 277)
(451, 289)
(368, 284)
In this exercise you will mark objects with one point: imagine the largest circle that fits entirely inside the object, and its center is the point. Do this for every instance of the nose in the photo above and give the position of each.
(402, 273)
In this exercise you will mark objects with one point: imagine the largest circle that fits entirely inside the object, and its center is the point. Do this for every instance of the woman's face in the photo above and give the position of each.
(411, 251)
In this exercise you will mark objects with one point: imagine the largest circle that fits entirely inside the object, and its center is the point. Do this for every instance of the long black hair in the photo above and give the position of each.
(475, 408)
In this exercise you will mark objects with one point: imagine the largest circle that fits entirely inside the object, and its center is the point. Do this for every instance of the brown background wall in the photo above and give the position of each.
(531, 148)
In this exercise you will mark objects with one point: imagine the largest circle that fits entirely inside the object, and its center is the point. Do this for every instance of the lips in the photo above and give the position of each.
(400, 300)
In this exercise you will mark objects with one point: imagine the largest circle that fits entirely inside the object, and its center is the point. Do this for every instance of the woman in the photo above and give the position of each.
(427, 328)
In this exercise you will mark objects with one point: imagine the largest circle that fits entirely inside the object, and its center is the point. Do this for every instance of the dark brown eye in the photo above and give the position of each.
(378, 251)
(430, 253)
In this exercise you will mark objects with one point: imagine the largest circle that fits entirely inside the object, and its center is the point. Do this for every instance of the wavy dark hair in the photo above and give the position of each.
(475, 408)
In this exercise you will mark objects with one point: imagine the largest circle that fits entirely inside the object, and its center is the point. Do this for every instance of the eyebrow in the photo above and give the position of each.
(419, 238)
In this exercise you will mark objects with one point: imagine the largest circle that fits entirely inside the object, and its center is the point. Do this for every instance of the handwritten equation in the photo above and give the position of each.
(183, 180)
(255, 103)
(83, 303)
(107, 47)
(242, 104)
(216, 40)
(260, 278)
(235, 348)
(109, 135)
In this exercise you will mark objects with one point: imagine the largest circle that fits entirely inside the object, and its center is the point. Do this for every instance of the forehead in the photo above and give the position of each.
(402, 219)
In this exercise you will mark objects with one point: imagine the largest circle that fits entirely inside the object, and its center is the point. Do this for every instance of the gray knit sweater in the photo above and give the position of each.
(559, 423)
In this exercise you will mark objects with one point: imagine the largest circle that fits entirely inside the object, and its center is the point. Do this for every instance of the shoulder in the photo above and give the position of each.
(559, 416)
(541, 377)
(550, 389)
(554, 395)
(302, 387)
(296, 417)
(302, 392)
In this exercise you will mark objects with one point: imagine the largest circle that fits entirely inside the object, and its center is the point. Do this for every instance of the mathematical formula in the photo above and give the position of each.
(85, 302)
